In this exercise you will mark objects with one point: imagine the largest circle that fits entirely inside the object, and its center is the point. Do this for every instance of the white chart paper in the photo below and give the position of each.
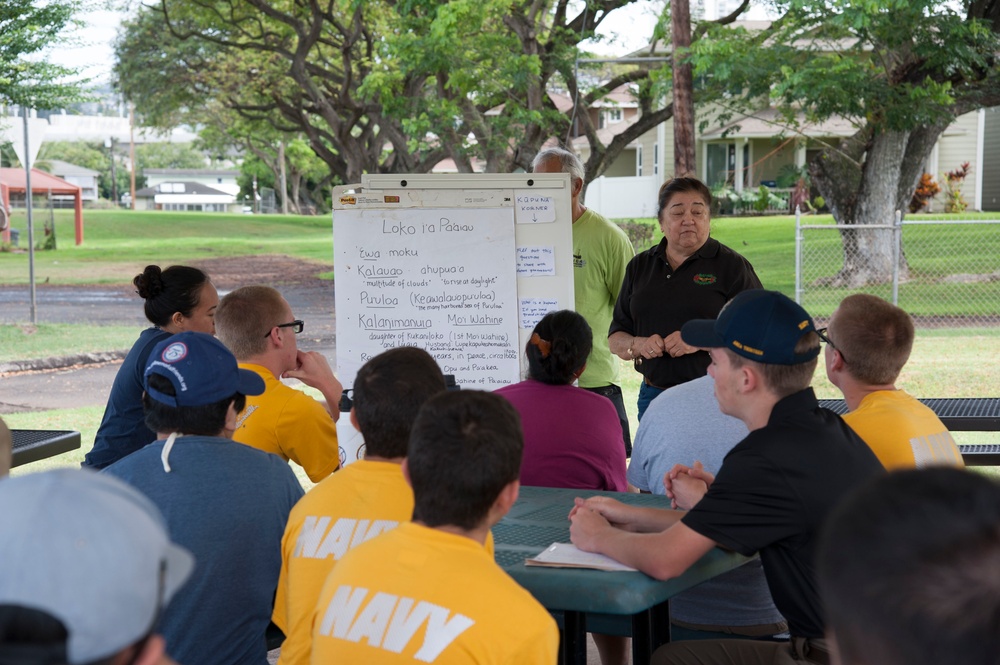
(440, 279)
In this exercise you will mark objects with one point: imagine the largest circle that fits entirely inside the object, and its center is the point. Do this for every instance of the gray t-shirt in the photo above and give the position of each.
(682, 425)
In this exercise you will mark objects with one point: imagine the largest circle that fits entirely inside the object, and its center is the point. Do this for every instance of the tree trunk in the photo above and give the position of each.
(294, 197)
(890, 163)
(683, 86)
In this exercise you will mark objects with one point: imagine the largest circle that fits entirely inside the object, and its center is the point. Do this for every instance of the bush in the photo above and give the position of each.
(641, 235)
(926, 190)
(953, 199)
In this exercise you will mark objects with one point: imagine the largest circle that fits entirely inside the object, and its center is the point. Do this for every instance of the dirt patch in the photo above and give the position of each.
(233, 272)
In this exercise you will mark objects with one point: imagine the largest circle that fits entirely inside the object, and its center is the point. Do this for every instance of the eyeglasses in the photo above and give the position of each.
(297, 326)
(823, 336)
(697, 214)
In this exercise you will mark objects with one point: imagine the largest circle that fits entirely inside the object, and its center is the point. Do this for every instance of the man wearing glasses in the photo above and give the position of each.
(867, 344)
(258, 326)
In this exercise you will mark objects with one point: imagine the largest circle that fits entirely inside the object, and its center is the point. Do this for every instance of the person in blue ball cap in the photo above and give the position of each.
(225, 502)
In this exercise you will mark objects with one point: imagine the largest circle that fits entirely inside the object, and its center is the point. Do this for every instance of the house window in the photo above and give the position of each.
(611, 116)
(638, 161)
(656, 159)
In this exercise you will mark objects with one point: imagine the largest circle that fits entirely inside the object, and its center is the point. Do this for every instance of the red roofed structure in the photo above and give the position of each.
(13, 180)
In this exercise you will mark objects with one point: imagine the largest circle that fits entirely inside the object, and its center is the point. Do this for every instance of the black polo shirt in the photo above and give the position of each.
(773, 492)
(656, 299)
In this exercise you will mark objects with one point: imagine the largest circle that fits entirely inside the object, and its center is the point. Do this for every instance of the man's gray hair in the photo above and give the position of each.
(569, 161)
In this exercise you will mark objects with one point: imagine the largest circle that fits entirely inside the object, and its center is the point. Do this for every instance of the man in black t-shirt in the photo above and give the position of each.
(774, 488)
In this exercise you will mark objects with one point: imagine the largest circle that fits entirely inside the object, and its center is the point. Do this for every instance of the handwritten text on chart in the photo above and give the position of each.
(439, 279)
(534, 209)
(532, 261)
(533, 309)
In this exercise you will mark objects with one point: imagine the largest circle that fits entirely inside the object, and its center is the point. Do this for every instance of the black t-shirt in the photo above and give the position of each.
(773, 492)
(656, 299)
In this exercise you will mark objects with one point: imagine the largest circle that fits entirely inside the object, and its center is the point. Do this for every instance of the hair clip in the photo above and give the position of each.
(543, 347)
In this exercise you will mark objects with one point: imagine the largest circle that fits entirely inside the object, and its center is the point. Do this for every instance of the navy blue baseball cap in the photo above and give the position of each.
(202, 370)
(760, 325)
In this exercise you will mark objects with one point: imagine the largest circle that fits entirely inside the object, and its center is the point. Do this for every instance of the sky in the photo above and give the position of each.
(94, 56)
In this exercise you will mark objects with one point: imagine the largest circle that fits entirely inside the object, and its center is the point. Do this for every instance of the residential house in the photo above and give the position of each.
(186, 196)
(223, 180)
(751, 150)
(84, 178)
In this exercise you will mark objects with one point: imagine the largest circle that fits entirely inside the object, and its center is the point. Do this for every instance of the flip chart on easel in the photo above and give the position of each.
(433, 278)
(461, 265)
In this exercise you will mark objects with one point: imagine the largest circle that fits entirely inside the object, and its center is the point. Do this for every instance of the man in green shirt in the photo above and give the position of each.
(601, 250)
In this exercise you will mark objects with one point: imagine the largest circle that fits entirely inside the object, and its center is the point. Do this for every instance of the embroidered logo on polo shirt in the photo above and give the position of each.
(704, 280)
(578, 261)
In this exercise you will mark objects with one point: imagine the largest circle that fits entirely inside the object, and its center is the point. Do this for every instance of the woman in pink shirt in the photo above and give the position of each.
(572, 437)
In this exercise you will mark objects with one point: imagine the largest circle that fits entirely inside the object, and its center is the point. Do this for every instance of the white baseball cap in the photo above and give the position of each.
(91, 551)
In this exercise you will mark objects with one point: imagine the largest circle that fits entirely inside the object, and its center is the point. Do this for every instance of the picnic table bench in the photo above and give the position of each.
(959, 414)
(31, 445)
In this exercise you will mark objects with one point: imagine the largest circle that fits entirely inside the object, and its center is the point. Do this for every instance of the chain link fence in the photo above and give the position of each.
(945, 273)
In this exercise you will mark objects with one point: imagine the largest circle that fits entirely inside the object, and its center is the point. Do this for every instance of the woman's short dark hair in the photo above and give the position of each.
(677, 186)
(207, 420)
(176, 289)
(558, 347)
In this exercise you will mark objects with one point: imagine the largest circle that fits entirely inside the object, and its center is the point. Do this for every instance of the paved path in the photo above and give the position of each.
(88, 384)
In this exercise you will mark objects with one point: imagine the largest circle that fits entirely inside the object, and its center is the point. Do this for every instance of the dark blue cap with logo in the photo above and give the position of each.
(202, 370)
(760, 325)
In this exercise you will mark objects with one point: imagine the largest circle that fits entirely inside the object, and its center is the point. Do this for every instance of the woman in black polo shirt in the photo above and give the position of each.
(688, 275)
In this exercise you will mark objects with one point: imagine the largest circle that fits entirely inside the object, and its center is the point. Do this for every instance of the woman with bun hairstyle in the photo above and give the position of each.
(178, 299)
(572, 437)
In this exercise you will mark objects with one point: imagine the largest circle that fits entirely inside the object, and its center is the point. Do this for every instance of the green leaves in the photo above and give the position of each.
(889, 64)
(26, 32)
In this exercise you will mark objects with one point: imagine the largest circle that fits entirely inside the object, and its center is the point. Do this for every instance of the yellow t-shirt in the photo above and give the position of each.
(420, 594)
(288, 423)
(359, 502)
(902, 432)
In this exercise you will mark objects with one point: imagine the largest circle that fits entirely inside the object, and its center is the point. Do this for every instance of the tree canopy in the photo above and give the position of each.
(27, 29)
(384, 85)
(899, 70)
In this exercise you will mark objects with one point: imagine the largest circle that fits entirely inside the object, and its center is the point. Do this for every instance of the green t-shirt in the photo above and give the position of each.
(601, 251)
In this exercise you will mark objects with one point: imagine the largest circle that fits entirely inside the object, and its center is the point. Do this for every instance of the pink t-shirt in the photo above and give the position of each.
(572, 438)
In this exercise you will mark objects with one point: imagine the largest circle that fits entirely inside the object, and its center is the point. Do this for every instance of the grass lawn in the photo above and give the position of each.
(26, 342)
(118, 244)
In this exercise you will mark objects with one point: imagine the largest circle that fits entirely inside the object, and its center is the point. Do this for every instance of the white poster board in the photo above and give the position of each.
(462, 265)
(433, 278)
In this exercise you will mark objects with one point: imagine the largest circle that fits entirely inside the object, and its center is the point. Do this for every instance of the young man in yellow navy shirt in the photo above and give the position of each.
(868, 342)
(429, 590)
(364, 499)
(258, 326)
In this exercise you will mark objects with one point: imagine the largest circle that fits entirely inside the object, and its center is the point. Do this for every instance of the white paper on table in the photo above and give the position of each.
(567, 555)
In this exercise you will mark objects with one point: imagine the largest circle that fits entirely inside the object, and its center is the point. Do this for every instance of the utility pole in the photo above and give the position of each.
(131, 151)
(114, 175)
(683, 88)
(29, 158)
